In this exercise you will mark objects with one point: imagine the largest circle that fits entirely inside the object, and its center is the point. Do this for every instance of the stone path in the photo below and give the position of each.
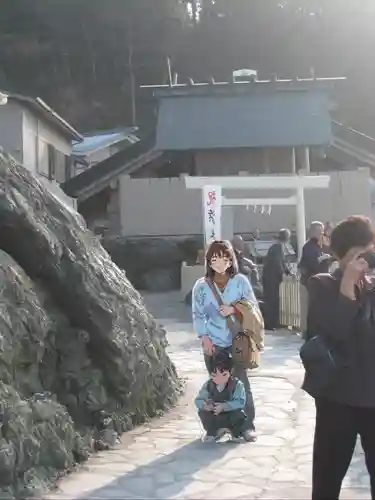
(166, 459)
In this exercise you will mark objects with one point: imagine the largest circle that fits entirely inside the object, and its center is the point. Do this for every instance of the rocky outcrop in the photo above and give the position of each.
(81, 359)
(154, 264)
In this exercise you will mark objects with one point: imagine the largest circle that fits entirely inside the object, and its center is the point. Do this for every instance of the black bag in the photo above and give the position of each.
(320, 362)
(304, 276)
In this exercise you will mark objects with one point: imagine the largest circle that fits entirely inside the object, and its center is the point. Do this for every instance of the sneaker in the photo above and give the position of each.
(221, 433)
(250, 436)
(236, 439)
(208, 439)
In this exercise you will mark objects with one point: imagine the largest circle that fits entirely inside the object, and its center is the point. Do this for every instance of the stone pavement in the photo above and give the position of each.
(165, 459)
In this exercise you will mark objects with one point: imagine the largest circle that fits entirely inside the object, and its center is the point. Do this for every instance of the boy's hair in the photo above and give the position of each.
(222, 362)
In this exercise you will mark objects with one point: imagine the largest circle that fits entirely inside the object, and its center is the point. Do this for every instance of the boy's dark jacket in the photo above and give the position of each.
(222, 396)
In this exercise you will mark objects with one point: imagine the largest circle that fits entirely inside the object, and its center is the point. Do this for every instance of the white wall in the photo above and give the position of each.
(37, 134)
(98, 156)
(166, 207)
(11, 130)
(55, 189)
(20, 137)
(101, 155)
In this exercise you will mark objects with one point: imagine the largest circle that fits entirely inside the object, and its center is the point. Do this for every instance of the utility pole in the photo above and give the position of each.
(131, 73)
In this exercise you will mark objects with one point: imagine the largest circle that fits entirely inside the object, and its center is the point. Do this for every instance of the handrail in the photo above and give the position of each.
(353, 137)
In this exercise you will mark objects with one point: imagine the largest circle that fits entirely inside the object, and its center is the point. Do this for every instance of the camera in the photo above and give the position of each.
(370, 259)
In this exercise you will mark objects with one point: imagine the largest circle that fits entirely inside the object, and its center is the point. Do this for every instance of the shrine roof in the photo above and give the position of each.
(267, 113)
(242, 87)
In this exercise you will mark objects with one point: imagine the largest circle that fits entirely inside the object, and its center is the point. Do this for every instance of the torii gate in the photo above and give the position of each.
(296, 183)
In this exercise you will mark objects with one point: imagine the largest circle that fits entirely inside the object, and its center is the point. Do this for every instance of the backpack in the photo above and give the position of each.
(249, 342)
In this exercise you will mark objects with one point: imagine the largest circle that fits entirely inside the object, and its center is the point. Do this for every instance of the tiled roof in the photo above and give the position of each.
(119, 163)
(251, 120)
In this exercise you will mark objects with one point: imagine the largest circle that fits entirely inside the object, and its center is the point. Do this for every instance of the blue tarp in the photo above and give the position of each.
(95, 142)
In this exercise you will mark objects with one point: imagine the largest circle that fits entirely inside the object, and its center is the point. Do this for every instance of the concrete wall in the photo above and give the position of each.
(152, 207)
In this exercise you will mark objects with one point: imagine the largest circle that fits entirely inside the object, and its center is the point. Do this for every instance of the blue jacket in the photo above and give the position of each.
(237, 401)
(207, 318)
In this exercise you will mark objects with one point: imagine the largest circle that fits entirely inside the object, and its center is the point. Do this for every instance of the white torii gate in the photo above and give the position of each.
(296, 183)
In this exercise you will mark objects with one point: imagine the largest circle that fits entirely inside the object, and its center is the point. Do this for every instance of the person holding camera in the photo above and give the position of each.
(339, 358)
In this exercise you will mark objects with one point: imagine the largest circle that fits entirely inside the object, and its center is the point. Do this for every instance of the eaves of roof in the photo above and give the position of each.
(125, 161)
(94, 143)
(243, 87)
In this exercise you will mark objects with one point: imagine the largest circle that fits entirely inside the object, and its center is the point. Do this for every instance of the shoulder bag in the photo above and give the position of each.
(320, 359)
(320, 362)
(244, 350)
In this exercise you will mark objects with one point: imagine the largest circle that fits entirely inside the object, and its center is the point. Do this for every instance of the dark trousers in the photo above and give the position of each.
(232, 420)
(271, 295)
(241, 373)
(336, 430)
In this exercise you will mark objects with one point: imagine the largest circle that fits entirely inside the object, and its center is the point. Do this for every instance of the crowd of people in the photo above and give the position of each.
(337, 353)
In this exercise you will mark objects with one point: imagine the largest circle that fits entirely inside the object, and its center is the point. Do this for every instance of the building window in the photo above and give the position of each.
(51, 162)
(68, 167)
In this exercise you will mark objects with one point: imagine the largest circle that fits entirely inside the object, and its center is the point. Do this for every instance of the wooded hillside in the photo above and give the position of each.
(88, 57)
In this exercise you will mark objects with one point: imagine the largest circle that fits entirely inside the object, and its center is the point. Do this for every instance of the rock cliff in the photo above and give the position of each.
(80, 356)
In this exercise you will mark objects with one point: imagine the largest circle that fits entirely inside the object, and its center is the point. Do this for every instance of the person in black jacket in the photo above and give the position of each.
(314, 258)
(328, 228)
(341, 313)
(275, 266)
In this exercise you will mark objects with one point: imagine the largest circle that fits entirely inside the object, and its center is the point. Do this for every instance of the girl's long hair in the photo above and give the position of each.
(220, 249)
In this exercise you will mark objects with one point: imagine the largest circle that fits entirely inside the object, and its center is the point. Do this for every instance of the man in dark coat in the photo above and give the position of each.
(275, 266)
(314, 259)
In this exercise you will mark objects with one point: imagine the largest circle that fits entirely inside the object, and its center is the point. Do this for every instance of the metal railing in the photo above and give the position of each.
(290, 303)
(353, 137)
